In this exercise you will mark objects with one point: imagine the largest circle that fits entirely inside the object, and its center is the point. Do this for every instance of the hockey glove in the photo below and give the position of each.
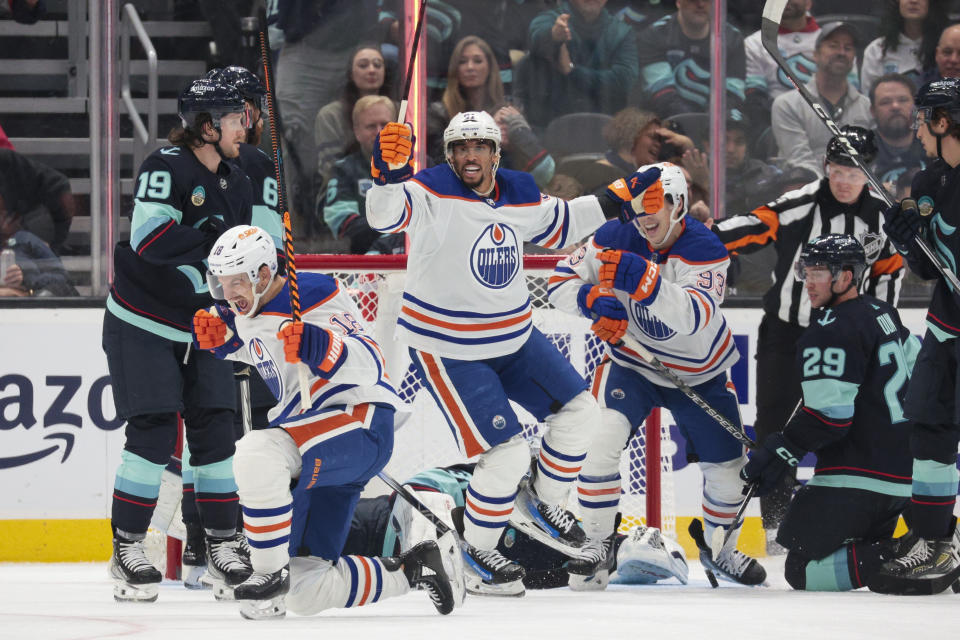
(215, 331)
(626, 271)
(212, 228)
(624, 190)
(390, 163)
(608, 313)
(320, 348)
(902, 224)
(768, 463)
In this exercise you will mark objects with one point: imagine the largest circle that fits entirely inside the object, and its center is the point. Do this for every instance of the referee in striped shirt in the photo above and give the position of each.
(841, 202)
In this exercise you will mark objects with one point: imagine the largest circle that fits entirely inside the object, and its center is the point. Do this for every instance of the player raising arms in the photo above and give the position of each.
(466, 317)
(660, 280)
(330, 450)
(855, 358)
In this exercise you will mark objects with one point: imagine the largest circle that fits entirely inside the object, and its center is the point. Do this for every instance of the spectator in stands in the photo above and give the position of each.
(800, 134)
(37, 270)
(366, 75)
(910, 30)
(638, 137)
(898, 150)
(344, 211)
(581, 59)
(675, 61)
(474, 85)
(39, 195)
(947, 55)
(320, 36)
(795, 39)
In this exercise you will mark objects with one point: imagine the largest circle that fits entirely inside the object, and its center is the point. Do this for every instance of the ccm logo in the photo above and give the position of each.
(649, 279)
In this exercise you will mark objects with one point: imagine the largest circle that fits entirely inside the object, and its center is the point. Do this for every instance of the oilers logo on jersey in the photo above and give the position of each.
(649, 323)
(266, 367)
(495, 258)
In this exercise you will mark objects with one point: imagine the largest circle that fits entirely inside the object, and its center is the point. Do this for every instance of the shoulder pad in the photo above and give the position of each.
(517, 187)
(699, 244)
(316, 288)
(442, 180)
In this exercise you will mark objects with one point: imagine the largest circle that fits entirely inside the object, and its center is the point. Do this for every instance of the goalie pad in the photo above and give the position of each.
(412, 528)
(647, 556)
(167, 516)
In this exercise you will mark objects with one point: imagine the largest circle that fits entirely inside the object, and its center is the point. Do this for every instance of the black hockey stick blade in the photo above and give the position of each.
(696, 532)
(402, 491)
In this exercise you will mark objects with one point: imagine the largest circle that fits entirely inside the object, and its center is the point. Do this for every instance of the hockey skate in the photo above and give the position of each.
(921, 567)
(486, 571)
(590, 571)
(226, 568)
(645, 556)
(551, 524)
(135, 579)
(730, 565)
(262, 594)
(423, 567)
(194, 558)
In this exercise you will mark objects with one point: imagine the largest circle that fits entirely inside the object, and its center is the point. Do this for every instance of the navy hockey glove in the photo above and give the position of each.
(213, 227)
(392, 150)
(902, 224)
(624, 190)
(768, 463)
(626, 271)
(215, 331)
(609, 315)
(320, 348)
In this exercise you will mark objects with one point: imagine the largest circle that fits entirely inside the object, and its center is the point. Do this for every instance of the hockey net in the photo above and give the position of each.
(376, 285)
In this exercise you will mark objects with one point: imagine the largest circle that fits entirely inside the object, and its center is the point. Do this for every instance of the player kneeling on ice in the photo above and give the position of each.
(467, 318)
(855, 359)
(659, 280)
(330, 450)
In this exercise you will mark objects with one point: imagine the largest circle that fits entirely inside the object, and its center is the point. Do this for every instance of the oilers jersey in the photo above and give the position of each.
(465, 295)
(360, 379)
(683, 326)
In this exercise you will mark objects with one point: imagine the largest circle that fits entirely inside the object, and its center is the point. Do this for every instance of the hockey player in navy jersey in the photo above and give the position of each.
(329, 451)
(661, 280)
(854, 358)
(933, 564)
(185, 195)
(467, 319)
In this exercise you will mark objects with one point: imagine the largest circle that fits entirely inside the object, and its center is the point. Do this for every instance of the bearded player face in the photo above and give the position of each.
(473, 162)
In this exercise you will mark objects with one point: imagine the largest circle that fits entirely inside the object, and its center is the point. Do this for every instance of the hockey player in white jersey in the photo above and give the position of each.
(330, 450)
(467, 318)
(659, 280)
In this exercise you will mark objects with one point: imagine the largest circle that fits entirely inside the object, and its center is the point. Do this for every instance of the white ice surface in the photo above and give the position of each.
(75, 602)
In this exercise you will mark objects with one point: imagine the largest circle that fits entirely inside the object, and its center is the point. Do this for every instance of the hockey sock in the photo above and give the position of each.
(849, 567)
(135, 492)
(598, 486)
(216, 497)
(722, 494)
(354, 581)
(564, 445)
(188, 506)
(934, 495)
(492, 490)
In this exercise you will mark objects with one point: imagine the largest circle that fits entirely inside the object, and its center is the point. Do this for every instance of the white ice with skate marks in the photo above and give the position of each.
(75, 602)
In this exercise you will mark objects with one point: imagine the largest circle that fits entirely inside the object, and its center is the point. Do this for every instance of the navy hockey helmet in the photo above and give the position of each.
(862, 140)
(939, 94)
(244, 81)
(208, 96)
(835, 251)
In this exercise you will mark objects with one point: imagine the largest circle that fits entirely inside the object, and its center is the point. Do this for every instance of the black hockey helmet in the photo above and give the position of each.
(939, 94)
(862, 140)
(836, 251)
(208, 96)
(244, 81)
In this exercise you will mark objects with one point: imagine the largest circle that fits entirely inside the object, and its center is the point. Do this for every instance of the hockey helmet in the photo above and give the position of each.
(241, 250)
(471, 125)
(244, 81)
(939, 94)
(837, 252)
(209, 96)
(862, 140)
(674, 192)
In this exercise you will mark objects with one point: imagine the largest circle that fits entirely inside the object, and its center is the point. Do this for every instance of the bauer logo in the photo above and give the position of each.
(266, 367)
(649, 323)
(495, 258)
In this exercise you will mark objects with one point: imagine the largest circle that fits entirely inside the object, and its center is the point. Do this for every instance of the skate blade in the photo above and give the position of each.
(194, 579)
(477, 587)
(124, 592)
(263, 609)
(595, 582)
(535, 531)
(892, 585)
(222, 592)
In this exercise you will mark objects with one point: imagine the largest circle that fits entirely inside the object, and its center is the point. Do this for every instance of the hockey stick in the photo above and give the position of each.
(696, 532)
(413, 56)
(697, 399)
(720, 536)
(770, 25)
(412, 500)
(275, 126)
(246, 412)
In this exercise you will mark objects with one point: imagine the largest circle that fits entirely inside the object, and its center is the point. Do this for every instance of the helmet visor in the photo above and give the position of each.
(813, 271)
(223, 287)
(921, 115)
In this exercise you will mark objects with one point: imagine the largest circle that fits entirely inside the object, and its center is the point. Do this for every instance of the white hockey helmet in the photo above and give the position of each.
(472, 125)
(242, 249)
(675, 192)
